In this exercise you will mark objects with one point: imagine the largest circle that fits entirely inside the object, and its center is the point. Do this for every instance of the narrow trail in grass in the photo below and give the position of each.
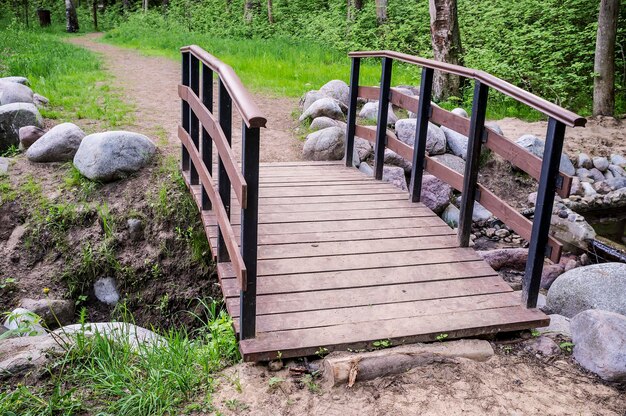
(150, 82)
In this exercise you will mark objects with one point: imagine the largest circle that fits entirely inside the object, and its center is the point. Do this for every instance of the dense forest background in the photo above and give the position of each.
(544, 46)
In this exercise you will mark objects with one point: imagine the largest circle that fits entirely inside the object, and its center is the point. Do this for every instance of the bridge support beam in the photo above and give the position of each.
(421, 134)
(383, 112)
(206, 143)
(225, 110)
(185, 161)
(354, 94)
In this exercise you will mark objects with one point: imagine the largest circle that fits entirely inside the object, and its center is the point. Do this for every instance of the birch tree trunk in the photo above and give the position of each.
(71, 18)
(270, 16)
(381, 11)
(604, 61)
(446, 41)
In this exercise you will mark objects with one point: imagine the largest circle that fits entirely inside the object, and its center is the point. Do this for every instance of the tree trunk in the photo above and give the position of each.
(354, 5)
(604, 61)
(126, 5)
(144, 5)
(446, 41)
(71, 18)
(381, 11)
(95, 14)
(270, 16)
(248, 10)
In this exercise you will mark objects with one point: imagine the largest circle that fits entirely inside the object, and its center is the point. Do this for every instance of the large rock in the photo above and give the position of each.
(324, 107)
(394, 159)
(27, 355)
(59, 144)
(123, 332)
(536, 146)
(309, 98)
(599, 339)
(40, 101)
(601, 163)
(370, 112)
(395, 176)
(113, 155)
(435, 139)
(326, 144)
(456, 142)
(618, 160)
(363, 147)
(12, 118)
(19, 80)
(54, 312)
(451, 215)
(574, 234)
(460, 112)
(338, 90)
(29, 135)
(559, 325)
(435, 193)
(320, 123)
(453, 162)
(5, 162)
(506, 258)
(599, 286)
(13, 92)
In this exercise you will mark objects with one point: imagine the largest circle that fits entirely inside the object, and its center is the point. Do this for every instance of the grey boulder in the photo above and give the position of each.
(601, 163)
(456, 142)
(584, 161)
(324, 107)
(326, 144)
(618, 160)
(40, 100)
(323, 122)
(29, 135)
(395, 176)
(451, 215)
(559, 325)
(27, 355)
(599, 339)
(59, 144)
(370, 112)
(113, 155)
(394, 159)
(53, 312)
(599, 286)
(13, 92)
(435, 138)
(506, 258)
(453, 162)
(536, 146)
(19, 80)
(460, 112)
(338, 90)
(309, 98)
(5, 162)
(435, 193)
(12, 118)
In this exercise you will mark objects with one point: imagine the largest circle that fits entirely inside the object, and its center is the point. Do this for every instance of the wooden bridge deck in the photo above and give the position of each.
(345, 260)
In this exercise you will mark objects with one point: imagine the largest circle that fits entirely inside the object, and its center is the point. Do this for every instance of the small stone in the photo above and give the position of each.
(502, 233)
(105, 290)
(321, 123)
(559, 325)
(570, 265)
(395, 176)
(549, 274)
(40, 100)
(54, 312)
(618, 160)
(13, 92)
(506, 258)
(135, 228)
(602, 187)
(542, 346)
(366, 169)
(584, 161)
(394, 159)
(490, 232)
(588, 189)
(370, 112)
(601, 163)
(5, 162)
(325, 107)
(29, 135)
(19, 80)
(275, 365)
(451, 215)
(596, 175)
(495, 127)
(617, 171)
(460, 112)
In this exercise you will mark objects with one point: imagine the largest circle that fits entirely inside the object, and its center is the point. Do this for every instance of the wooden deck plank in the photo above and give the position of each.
(342, 190)
(402, 330)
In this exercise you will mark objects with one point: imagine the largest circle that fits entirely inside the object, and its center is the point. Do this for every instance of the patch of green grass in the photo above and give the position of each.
(11, 151)
(7, 193)
(75, 181)
(70, 76)
(278, 66)
(102, 375)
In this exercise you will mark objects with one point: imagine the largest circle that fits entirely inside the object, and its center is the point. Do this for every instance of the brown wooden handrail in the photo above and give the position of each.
(250, 113)
(546, 107)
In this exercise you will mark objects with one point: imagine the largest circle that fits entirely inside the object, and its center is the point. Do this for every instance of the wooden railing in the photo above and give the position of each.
(545, 170)
(196, 94)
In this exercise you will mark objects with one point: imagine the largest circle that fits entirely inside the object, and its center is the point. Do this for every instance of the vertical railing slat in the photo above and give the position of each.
(421, 133)
(206, 141)
(225, 117)
(249, 226)
(470, 178)
(381, 125)
(194, 128)
(543, 212)
(354, 94)
(185, 111)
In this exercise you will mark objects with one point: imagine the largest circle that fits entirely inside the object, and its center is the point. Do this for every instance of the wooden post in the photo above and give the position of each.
(381, 125)
(194, 129)
(543, 212)
(470, 178)
(225, 115)
(185, 110)
(206, 142)
(421, 134)
(249, 230)
(354, 93)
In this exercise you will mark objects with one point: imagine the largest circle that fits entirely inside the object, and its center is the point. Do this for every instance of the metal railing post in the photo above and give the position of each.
(421, 133)
(225, 116)
(194, 129)
(249, 229)
(381, 125)
(206, 144)
(185, 111)
(470, 178)
(354, 94)
(543, 211)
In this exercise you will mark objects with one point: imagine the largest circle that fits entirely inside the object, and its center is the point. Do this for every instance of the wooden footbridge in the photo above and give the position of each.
(315, 256)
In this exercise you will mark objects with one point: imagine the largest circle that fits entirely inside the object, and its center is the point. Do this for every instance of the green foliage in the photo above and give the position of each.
(12, 151)
(71, 77)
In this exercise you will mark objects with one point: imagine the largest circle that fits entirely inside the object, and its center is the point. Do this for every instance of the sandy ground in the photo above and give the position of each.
(509, 384)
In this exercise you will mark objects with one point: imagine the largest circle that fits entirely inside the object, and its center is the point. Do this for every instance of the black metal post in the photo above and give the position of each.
(421, 133)
(226, 115)
(354, 94)
(194, 130)
(477, 125)
(185, 111)
(381, 125)
(249, 226)
(206, 142)
(543, 211)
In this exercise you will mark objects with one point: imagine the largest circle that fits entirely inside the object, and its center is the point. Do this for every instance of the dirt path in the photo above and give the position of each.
(150, 82)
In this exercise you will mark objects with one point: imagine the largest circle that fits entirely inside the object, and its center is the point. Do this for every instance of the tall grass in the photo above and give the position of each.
(71, 77)
(277, 66)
